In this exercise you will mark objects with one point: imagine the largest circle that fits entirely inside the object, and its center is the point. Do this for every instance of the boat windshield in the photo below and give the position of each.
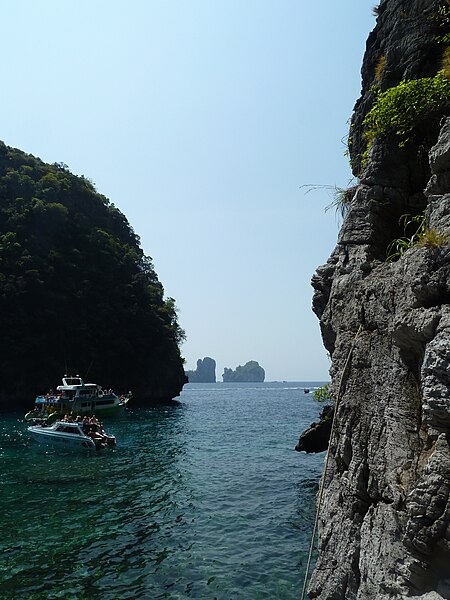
(73, 381)
(68, 429)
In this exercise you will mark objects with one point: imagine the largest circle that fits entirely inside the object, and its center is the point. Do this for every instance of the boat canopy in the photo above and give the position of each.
(72, 380)
(77, 384)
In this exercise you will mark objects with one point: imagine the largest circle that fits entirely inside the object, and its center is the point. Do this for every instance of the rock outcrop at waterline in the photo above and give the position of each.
(317, 436)
(384, 526)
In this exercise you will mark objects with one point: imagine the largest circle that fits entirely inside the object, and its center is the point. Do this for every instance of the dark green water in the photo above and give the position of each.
(202, 499)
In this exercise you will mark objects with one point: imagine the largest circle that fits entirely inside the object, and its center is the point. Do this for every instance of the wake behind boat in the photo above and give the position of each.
(77, 398)
(72, 435)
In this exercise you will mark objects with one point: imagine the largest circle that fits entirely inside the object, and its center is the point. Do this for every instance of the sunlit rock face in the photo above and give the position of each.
(384, 527)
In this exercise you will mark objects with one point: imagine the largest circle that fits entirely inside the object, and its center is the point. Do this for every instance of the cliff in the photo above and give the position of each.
(384, 525)
(251, 372)
(205, 371)
(77, 292)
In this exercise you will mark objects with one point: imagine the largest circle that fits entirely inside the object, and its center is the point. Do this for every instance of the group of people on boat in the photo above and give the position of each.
(91, 427)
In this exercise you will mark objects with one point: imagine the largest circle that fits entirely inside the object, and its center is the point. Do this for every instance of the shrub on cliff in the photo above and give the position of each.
(399, 109)
(323, 394)
(415, 233)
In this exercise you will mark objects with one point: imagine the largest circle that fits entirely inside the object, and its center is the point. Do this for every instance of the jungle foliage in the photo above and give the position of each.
(399, 109)
(77, 292)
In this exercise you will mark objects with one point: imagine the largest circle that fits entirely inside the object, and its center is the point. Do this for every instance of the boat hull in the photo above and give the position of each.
(69, 442)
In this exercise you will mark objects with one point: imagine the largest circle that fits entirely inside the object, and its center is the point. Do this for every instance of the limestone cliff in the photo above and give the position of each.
(384, 527)
(205, 371)
(251, 372)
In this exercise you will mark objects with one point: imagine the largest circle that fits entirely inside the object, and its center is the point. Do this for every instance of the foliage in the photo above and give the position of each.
(446, 62)
(323, 394)
(399, 109)
(380, 67)
(75, 288)
(441, 20)
(415, 232)
(431, 238)
(413, 228)
(342, 197)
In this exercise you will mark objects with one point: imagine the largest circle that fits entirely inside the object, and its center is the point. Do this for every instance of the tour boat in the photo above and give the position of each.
(78, 398)
(71, 435)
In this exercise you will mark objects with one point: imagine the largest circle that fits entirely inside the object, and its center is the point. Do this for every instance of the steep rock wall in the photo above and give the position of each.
(384, 528)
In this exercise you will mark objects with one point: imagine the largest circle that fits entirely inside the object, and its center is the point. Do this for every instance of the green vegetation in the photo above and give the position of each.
(323, 394)
(441, 20)
(342, 198)
(76, 290)
(415, 233)
(400, 109)
(413, 228)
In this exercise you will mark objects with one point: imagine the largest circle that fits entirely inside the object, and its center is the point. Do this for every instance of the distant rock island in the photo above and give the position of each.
(205, 371)
(251, 372)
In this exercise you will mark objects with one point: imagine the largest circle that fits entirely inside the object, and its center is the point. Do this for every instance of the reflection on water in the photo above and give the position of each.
(201, 499)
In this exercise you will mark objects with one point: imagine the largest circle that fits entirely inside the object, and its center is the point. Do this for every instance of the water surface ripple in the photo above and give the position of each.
(202, 499)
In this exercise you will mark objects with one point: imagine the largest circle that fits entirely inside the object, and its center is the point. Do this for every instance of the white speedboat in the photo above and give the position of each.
(78, 398)
(72, 435)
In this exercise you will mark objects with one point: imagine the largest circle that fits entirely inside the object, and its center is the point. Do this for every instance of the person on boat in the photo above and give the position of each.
(97, 435)
(89, 422)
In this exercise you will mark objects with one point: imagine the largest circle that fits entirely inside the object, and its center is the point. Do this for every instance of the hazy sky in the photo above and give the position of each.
(201, 121)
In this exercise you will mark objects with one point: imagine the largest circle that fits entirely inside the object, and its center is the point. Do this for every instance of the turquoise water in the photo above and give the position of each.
(203, 499)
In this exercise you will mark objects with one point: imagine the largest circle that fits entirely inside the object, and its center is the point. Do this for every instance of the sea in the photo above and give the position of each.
(203, 498)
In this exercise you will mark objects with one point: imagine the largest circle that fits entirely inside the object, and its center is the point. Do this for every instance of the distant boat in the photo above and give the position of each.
(69, 435)
(306, 390)
(77, 398)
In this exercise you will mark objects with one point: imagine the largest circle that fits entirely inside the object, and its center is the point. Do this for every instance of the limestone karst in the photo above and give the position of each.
(384, 523)
(248, 373)
(205, 371)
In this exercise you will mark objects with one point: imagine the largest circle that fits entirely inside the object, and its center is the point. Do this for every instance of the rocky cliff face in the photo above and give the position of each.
(205, 371)
(251, 372)
(384, 528)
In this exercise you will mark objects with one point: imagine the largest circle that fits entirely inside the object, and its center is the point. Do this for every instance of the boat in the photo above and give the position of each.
(75, 397)
(72, 435)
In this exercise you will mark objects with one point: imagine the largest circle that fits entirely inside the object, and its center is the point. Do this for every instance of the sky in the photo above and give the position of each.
(202, 121)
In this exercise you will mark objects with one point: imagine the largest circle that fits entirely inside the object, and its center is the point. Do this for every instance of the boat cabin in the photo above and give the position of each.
(74, 387)
(66, 427)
